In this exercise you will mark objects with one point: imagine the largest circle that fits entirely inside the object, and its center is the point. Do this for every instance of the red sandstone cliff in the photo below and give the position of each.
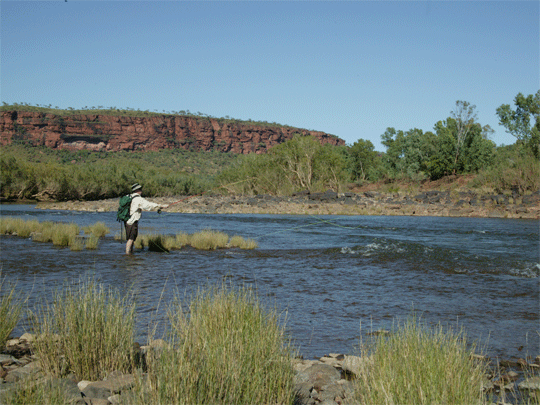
(116, 133)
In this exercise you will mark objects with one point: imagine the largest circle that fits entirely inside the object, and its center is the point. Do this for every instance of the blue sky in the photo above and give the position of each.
(348, 68)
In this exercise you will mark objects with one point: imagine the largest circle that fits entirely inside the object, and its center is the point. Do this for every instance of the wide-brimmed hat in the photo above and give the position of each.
(136, 187)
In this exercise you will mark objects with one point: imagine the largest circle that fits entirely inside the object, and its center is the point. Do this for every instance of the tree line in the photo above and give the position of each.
(457, 145)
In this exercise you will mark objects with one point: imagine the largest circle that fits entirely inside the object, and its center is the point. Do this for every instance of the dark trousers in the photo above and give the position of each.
(132, 231)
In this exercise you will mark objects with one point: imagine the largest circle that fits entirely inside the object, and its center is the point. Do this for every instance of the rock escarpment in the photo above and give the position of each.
(149, 133)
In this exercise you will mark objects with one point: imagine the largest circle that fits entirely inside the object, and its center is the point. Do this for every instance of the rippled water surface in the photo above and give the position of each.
(337, 277)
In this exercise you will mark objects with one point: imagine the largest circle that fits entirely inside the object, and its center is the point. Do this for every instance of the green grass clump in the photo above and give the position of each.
(226, 350)
(10, 310)
(240, 242)
(98, 229)
(63, 234)
(87, 330)
(18, 226)
(76, 243)
(92, 242)
(418, 365)
(209, 240)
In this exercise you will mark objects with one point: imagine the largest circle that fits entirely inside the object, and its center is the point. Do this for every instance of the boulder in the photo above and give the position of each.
(532, 383)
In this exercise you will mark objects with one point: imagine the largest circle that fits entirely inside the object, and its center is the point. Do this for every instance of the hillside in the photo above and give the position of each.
(106, 132)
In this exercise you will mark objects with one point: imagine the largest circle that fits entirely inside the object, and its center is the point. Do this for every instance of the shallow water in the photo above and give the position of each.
(335, 277)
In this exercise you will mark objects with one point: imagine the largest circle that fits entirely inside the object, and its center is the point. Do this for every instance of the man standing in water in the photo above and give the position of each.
(138, 204)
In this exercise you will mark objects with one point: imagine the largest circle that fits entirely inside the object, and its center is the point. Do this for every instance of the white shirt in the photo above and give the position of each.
(138, 204)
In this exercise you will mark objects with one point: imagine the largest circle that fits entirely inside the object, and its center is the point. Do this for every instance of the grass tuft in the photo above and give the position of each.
(209, 240)
(10, 310)
(226, 350)
(87, 330)
(240, 242)
(92, 242)
(418, 365)
(98, 229)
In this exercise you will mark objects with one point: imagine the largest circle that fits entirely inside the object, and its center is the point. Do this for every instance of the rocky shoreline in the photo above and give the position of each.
(327, 380)
(427, 203)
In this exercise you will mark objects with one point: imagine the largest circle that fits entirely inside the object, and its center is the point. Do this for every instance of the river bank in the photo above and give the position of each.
(329, 379)
(427, 203)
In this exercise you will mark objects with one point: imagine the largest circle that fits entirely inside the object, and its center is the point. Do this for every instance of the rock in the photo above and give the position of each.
(105, 389)
(83, 384)
(6, 359)
(115, 133)
(28, 337)
(115, 399)
(532, 383)
(319, 375)
(354, 364)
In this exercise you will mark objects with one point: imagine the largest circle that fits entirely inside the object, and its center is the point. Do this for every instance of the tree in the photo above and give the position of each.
(518, 122)
(465, 118)
(362, 154)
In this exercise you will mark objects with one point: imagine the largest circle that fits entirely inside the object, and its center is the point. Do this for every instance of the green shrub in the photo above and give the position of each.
(418, 365)
(87, 330)
(227, 350)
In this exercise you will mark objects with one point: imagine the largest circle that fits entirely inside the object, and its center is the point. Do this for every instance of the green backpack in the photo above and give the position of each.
(124, 207)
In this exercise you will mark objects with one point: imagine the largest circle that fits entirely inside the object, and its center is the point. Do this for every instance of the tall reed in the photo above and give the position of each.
(87, 330)
(11, 306)
(419, 365)
(226, 350)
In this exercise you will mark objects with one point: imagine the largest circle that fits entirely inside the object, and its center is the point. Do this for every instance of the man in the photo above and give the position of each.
(138, 204)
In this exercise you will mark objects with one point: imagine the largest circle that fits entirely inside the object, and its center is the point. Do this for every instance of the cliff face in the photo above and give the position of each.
(117, 133)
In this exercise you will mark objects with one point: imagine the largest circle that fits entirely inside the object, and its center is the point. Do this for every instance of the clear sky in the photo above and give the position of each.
(348, 68)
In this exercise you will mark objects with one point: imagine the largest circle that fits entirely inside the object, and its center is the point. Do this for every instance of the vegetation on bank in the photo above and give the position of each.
(415, 364)
(458, 145)
(223, 346)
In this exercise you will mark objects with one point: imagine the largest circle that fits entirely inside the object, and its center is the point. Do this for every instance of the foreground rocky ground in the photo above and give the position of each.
(424, 203)
(326, 381)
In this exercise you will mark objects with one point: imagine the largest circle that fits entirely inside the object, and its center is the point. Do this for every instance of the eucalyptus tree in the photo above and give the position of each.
(518, 122)
(362, 158)
(465, 118)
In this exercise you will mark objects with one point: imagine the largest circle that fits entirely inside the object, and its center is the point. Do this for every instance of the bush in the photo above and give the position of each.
(87, 330)
(417, 365)
(226, 350)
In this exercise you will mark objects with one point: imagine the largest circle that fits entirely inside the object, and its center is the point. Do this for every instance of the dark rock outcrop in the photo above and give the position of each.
(117, 133)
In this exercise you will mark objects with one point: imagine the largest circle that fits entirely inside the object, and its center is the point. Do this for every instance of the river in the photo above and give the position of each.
(335, 278)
